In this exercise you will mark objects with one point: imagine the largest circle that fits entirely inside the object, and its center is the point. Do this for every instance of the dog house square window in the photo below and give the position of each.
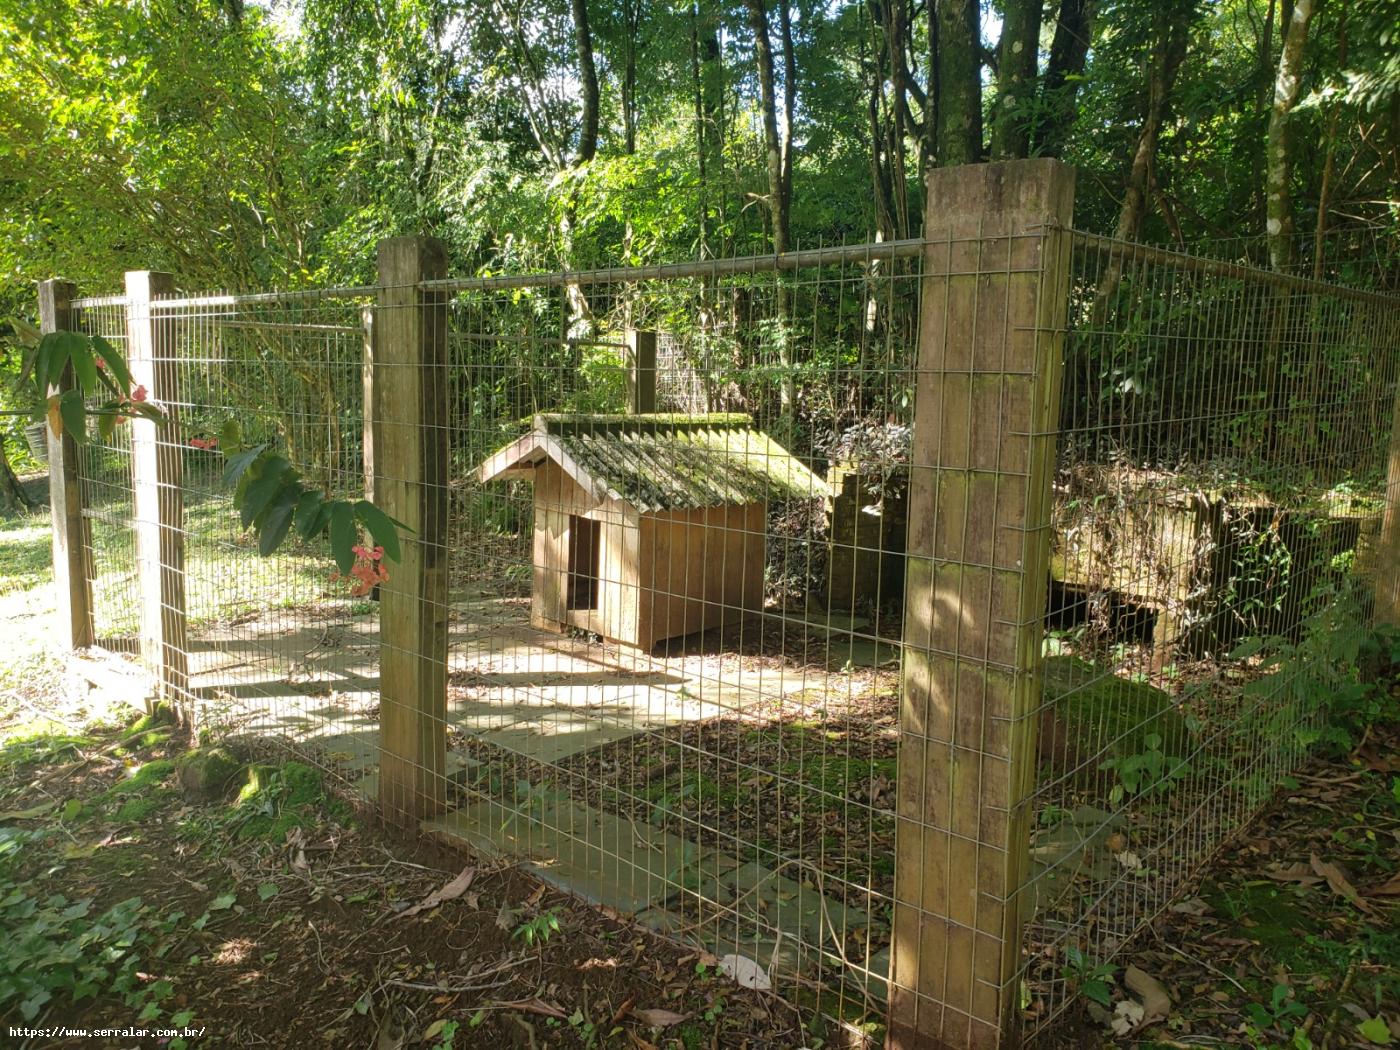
(585, 543)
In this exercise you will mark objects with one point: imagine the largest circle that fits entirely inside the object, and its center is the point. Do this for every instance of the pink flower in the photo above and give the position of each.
(101, 364)
(139, 394)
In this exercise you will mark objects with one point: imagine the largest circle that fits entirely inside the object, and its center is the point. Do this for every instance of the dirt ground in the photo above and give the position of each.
(283, 919)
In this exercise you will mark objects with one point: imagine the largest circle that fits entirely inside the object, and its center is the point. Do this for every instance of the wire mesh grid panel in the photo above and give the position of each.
(105, 470)
(661, 686)
(277, 645)
(1221, 477)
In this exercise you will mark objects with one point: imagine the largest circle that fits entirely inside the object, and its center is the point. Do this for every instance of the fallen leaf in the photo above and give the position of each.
(659, 1018)
(745, 972)
(1156, 1003)
(1338, 882)
(1190, 906)
(1128, 1016)
(1300, 873)
(1386, 889)
(505, 917)
(447, 892)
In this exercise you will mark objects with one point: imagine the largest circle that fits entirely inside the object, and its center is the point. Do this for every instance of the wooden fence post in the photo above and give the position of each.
(157, 473)
(71, 535)
(367, 377)
(1388, 565)
(994, 302)
(641, 371)
(410, 419)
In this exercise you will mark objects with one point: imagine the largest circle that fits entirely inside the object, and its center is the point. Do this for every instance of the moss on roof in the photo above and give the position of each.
(661, 462)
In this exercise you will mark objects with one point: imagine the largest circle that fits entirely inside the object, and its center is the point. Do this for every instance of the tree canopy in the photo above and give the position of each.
(253, 146)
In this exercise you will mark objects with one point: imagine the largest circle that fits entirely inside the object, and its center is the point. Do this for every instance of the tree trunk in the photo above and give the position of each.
(12, 494)
(958, 64)
(1016, 69)
(1171, 51)
(1069, 50)
(774, 150)
(1278, 164)
(588, 83)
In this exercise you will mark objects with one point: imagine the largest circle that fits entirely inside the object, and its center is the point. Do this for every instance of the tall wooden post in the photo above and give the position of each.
(1388, 565)
(367, 378)
(157, 469)
(641, 371)
(410, 414)
(71, 535)
(986, 410)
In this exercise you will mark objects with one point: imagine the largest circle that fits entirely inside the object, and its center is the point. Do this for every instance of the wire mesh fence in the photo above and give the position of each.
(686, 662)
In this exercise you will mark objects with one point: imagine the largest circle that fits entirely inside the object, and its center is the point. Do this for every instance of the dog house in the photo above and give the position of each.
(649, 527)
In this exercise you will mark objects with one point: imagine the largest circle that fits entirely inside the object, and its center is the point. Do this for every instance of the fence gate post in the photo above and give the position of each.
(985, 413)
(71, 539)
(157, 475)
(410, 420)
(641, 371)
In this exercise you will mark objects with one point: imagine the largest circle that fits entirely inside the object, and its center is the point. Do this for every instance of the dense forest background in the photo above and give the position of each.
(249, 146)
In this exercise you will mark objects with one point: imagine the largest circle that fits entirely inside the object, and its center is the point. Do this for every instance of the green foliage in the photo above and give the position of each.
(271, 495)
(55, 953)
(1146, 772)
(539, 928)
(1087, 977)
(1322, 689)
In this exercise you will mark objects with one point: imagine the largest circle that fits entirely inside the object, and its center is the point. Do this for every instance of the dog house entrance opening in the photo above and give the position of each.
(585, 542)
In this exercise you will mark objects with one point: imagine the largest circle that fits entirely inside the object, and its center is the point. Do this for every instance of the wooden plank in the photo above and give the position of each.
(410, 413)
(641, 371)
(72, 538)
(1388, 576)
(157, 469)
(994, 301)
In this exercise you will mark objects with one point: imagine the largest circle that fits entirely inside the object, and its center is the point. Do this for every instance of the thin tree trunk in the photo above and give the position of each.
(1069, 50)
(1016, 69)
(12, 494)
(1278, 162)
(588, 83)
(959, 69)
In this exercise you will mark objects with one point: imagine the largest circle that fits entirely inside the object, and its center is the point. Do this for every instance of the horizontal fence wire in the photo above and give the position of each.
(677, 639)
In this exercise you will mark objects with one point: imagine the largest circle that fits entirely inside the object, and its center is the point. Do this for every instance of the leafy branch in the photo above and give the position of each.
(269, 492)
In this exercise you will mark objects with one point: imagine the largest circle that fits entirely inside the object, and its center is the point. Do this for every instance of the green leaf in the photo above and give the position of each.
(278, 520)
(116, 364)
(236, 465)
(261, 490)
(223, 902)
(1375, 1030)
(267, 890)
(343, 534)
(84, 364)
(70, 407)
(309, 518)
(106, 425)
(230, 437)
(381, 527)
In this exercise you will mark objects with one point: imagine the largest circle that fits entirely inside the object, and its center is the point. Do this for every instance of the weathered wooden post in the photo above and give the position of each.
(367, 379)
(410, 419)
(71, 536)
(986, 409)
(157, 468)
(641, 371)
(1388, 570)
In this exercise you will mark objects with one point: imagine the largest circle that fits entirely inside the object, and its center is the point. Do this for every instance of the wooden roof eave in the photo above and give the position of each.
(531, 450)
